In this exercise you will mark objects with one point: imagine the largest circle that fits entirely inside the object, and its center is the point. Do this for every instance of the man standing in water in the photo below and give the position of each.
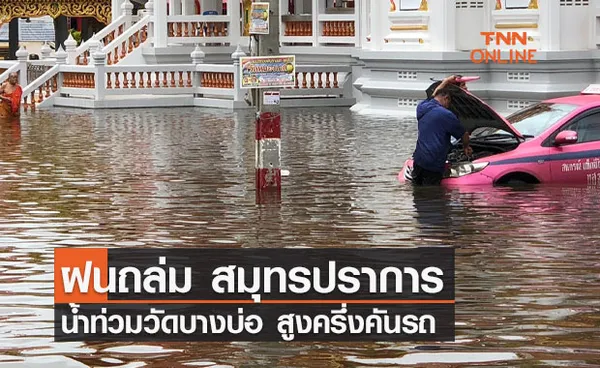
(11, 93)
(436, 124)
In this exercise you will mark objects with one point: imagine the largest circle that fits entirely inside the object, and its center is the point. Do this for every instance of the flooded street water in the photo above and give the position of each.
(527, 261)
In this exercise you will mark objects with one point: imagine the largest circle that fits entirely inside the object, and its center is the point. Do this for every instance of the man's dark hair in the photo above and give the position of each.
(444, 92)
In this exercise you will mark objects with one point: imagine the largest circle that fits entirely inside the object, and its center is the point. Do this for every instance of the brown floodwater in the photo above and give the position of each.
(527, 260)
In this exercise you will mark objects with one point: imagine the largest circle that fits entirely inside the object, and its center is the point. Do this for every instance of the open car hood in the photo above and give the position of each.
(474, 113)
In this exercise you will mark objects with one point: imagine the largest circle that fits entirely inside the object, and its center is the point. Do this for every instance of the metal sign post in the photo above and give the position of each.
(263, 71)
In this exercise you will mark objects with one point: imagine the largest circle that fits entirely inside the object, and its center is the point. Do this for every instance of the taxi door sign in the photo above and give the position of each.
(592, 89)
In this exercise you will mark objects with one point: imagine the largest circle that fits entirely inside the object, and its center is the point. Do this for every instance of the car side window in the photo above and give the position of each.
(587, 128)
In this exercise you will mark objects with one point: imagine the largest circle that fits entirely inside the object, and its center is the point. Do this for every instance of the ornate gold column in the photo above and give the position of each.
(247, 5)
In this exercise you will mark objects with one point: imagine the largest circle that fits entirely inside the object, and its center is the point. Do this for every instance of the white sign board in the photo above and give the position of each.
(271, 98)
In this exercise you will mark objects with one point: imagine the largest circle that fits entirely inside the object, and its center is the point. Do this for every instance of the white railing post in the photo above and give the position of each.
(94, 46)
(71, 49)
(127, 11)
(175, 7)
(99, 62)
(238, 93)
(316, 10)
(188, 7)
(45, 51)
(150, 11)
(61, 56)
(197, 58)
(198, 55)
(61, 59)
(160, 23)
(22, 55)
(378, 22)
(235, 28)
(116, 9)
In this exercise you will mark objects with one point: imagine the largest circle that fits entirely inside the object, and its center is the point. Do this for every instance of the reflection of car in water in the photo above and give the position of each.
(534, 211)
(554, 141)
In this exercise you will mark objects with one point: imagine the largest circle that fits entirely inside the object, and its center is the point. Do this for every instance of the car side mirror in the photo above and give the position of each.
(565, 137)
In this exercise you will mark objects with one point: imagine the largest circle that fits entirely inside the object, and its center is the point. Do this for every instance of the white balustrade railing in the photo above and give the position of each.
(149, 79)
(216, 84)
(36, 68)
(5, 64)
(217, 80)
(79, 80)
(126, 42)
(331, 81)
(45, 85)
(200, 29)
(7, 67)
(105, 37)
(322, 29)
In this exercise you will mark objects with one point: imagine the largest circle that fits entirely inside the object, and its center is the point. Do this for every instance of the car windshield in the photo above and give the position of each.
(534, 120)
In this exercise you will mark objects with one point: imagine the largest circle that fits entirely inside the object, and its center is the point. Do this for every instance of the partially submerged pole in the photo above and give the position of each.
(268, 120)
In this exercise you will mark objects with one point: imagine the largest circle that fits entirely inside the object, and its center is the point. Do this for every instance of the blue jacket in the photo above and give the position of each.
(436, 125)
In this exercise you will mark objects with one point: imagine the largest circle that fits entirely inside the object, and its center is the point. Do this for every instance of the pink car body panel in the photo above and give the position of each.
(574, 163)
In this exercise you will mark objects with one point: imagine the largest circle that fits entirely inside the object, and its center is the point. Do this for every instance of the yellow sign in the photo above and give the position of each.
(268, 71)
(259, 18)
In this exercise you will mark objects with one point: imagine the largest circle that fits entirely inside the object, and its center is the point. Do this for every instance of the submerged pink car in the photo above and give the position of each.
(554, 141)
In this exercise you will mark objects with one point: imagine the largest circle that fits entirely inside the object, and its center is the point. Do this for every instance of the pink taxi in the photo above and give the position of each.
(554, 141)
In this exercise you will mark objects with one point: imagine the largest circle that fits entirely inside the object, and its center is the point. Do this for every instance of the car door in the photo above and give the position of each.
(578, 162)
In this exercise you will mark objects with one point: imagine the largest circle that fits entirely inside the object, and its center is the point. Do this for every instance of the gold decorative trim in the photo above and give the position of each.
(99, 9)
(516, 25)
(498, 4)
(392, 6)
(533, 4)
(409, 27)
(423, 6)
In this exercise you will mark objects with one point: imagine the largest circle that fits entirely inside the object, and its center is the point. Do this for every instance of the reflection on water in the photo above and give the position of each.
(527, 260)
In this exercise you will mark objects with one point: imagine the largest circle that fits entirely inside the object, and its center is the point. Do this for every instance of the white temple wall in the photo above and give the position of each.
(471, 14)
(575, 19)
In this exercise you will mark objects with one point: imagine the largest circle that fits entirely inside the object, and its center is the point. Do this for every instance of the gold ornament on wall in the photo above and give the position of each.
(498, 4)
(98, 9)
(533, 4)
(423, 6)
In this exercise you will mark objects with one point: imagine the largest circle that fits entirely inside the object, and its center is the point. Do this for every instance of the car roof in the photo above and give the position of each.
(580, 100)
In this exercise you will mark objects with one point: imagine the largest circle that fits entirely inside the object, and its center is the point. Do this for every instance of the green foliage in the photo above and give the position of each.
(76, 35)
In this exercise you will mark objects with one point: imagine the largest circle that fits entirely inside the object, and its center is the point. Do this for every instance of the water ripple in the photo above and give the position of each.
(527, 281)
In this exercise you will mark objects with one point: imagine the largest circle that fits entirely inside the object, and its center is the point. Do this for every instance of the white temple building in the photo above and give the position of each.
(369, 55)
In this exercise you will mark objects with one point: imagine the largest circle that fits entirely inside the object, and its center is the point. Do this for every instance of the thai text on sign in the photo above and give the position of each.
(254, 294)
(268, 71)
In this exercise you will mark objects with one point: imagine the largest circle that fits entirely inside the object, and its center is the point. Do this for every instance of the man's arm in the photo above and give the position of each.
(465, 142)
(459, 132)
(444, 83)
